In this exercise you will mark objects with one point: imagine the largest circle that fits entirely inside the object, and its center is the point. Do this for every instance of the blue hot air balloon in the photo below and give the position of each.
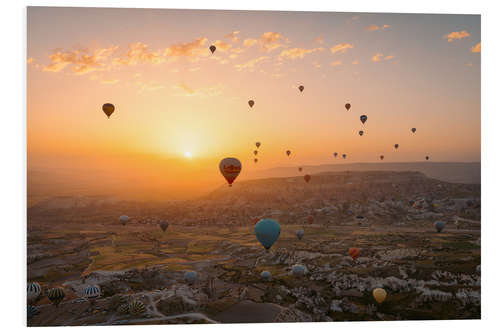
(439, 225)
(267, 232)
(299, 270)
(190, 277)
(265, 275)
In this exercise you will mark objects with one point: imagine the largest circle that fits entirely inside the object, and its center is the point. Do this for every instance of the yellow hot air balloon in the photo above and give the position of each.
(379, 294)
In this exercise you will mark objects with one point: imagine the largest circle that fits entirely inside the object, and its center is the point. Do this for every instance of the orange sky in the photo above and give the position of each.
(172, 96)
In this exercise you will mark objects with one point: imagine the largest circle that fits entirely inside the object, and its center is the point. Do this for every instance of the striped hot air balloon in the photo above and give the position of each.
(136, 308)
(92, 292)
(32, 311)
(33, 291)
(56, 295)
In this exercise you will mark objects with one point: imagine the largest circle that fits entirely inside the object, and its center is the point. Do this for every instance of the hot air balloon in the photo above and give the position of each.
(307, 178)
(230, 168)
(354, 252)
(335, 154)
(56, 295)
(124, 219)
(33, 291)
(379, 294)
(255, 160)
(469, 203)
(288, 152)
(300, 169)
(136, 308)
(363, 118)
(163, 225)
(32, 311)
(108, 109)
(361, 133)
(212, 48)
(382, 157)
(190, 277)
(92, 292)
(300, 234)
(426, 158)
(344, 156)
(251, 103)
(257, 144)
(348, 106)
(301, 88)
(267, 232)
(439, 225)
(413, 129)
(255, 152)
(310, 219)
(265, 275)
(299, 270)
(396, 146)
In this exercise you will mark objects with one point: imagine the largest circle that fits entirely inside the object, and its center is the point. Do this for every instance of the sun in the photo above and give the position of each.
(188, 154)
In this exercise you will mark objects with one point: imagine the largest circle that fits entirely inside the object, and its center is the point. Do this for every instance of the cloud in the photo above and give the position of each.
(298, 53)
(319, 40)
(341, 48)
(375, 27)
(80, 61)
(456, 35)
(233, 36)
(251, 63)
(139, 53)
(380, 57)
(476, 48)
(336, 63)
(114, 81)
(182, 89)
(222, 46)
(192, 49)
(355, 62)
(149, 86)
(270, 41)
(30, 60)
(249, 42)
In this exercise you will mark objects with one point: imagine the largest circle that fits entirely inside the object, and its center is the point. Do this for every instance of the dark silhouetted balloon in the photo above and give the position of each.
(255, 160)
(307, 178)
(212, 48)
(164, 225)
(255, 152)
(251, 103)
(361, 133)
(426, 158)
(413, 129)
(301, 88)
(288, 153)
(396, 146)
(439, 225)
(108, 109)
(335, 154)
(257, 144)
(344, 156)
(300, 169)
(300, 234)
(363, 119)
(382, 157)
(348, 106)
(230, 168)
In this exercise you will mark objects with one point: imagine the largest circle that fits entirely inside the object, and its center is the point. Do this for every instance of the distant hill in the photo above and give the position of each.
(466, 173)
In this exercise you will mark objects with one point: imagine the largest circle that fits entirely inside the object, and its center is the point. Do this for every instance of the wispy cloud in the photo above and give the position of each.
(355, 62)
(233, 36)
(192, 49)
(375, 27)
(249, 42)
(182, 89)
(222, 46)
(80, 61)
(113, 81)
(336, 63)
(139, 53)
(298, 53)
(268, 41)
(341, 48)
(251, 63)
(476, 48)
(380, 57)
(456, 35)
(319, 40)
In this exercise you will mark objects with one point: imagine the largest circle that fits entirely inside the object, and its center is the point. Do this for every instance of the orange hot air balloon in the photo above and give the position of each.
(379, 294)
(108, 109)
(307, 178)
(301, 88)
(255, 152)
(300, 169)
(288, 153)
(257, 144)
(348, 106)
(230, 168)
(310, 219)
(212, 48)
(251, 103)
(354, 252)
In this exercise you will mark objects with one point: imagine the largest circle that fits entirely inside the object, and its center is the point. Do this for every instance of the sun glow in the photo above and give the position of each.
(188, 154)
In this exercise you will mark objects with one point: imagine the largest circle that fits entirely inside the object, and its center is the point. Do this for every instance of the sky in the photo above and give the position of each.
(180, 109)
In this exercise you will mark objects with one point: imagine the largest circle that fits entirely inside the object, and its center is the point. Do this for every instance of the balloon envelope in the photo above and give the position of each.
(413, 129)
(288, 152)
(255, 152)
(301, 88)
(300, 234)
(33, 291)
(108, 109)
(344, 156)
(335, 154)
(92, 292)
(255, 160)
(265, 275)
(381, 157)
(379, 294)
(348, 106)
(361, 133)
(124, 219)
(251, 103)
(307, 178)
(300, 169)
(190, 277)
(230, 168)
(363, 118)
(396, 146)
(354, 252)
(164, 225)
(426, 158)
(299, 270)
(267, 232)
(212, 48)
(257, 144)
(439, 225)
